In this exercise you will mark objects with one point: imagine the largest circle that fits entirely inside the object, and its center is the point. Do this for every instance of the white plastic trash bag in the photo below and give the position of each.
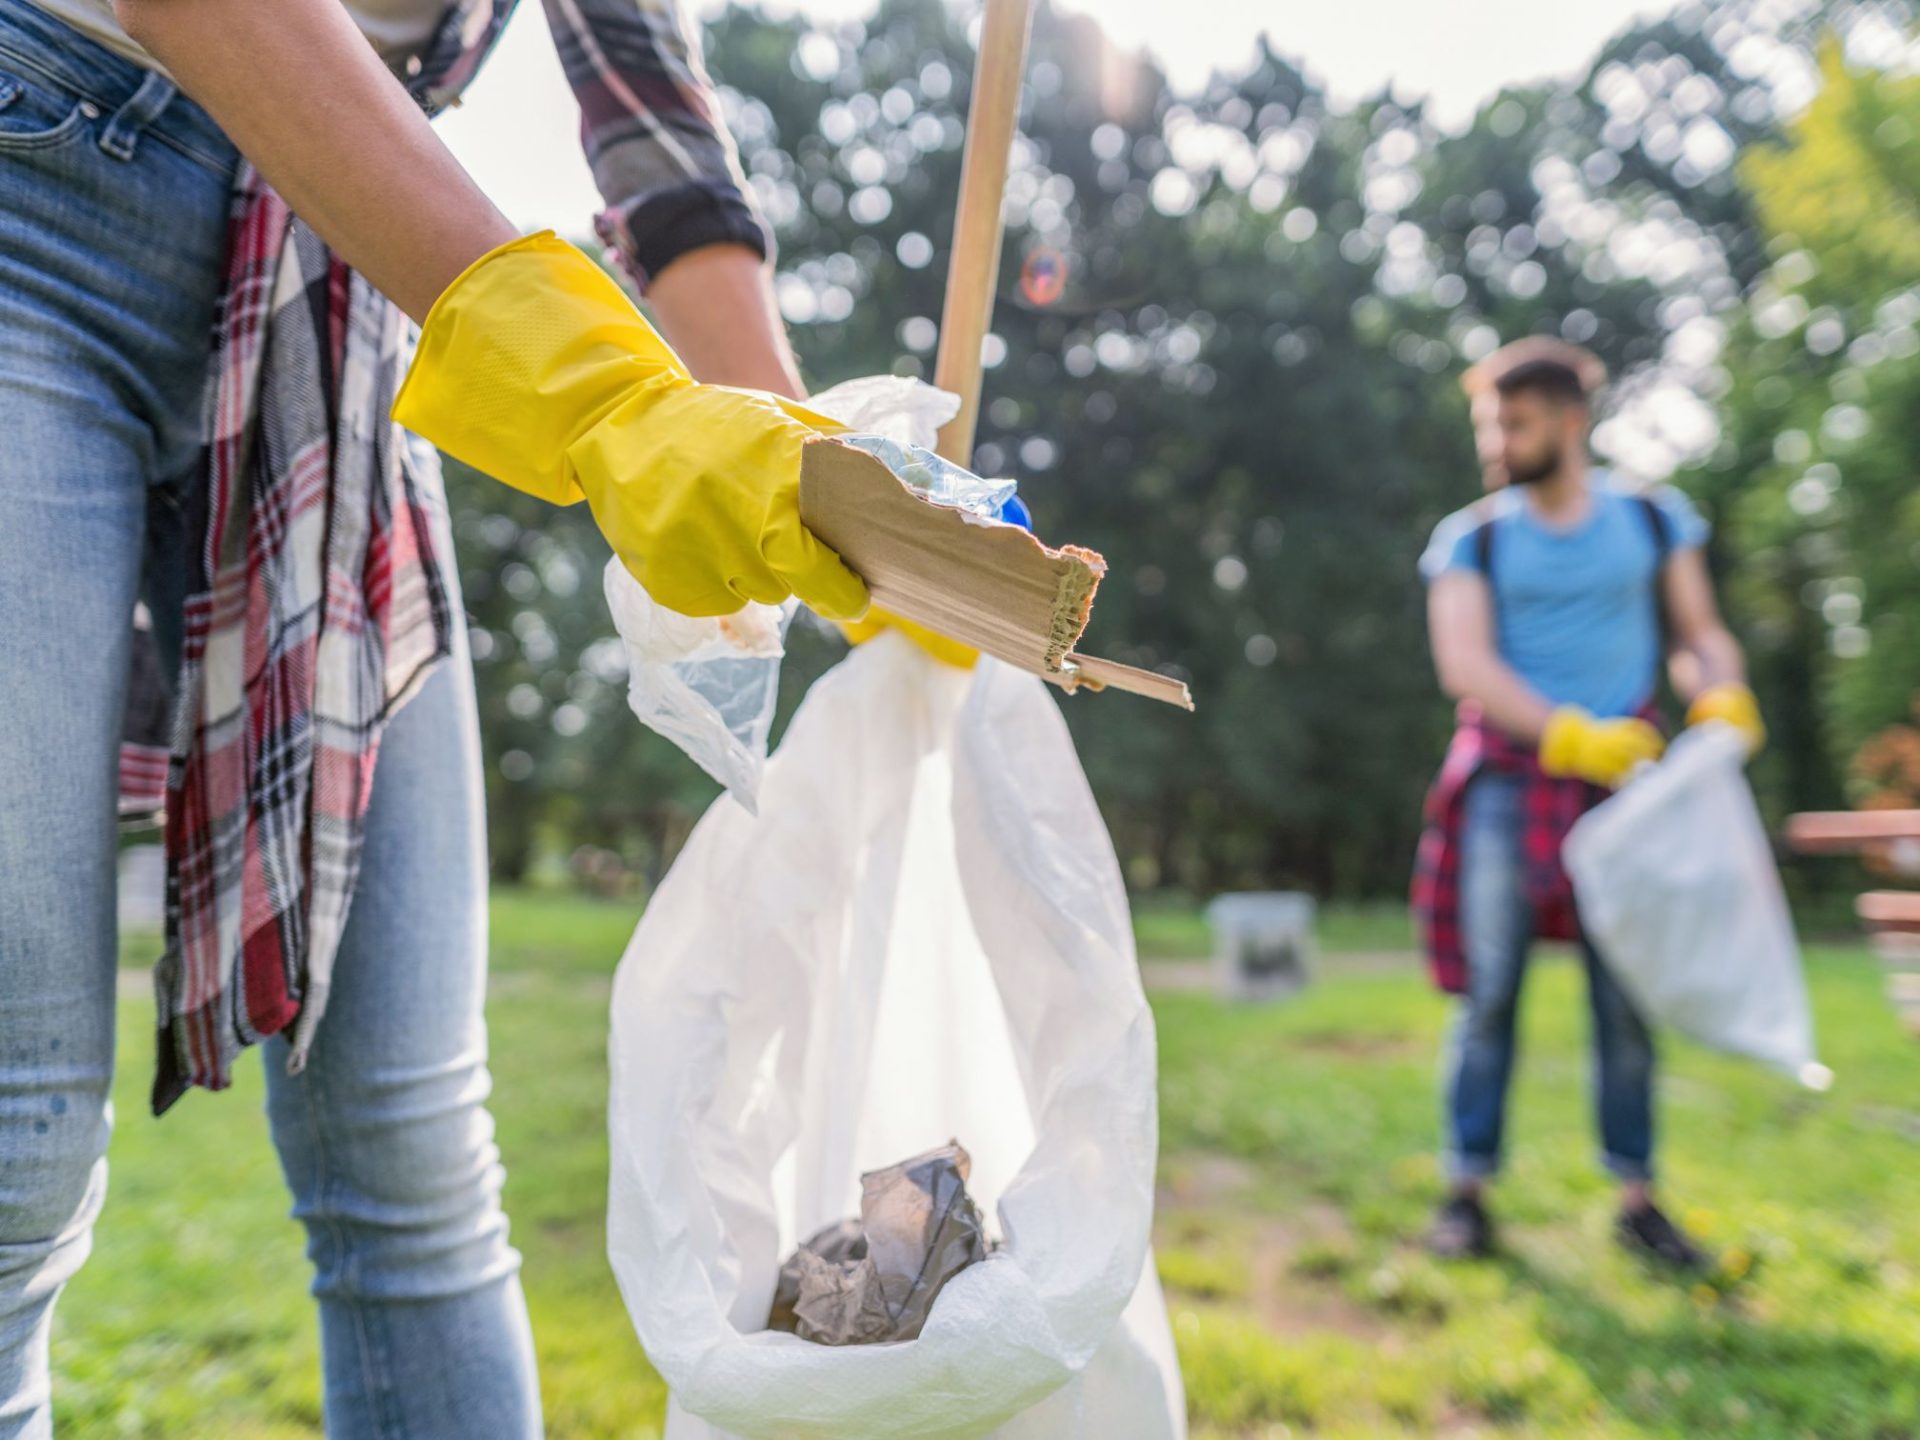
(923, 936)
(1678, 891)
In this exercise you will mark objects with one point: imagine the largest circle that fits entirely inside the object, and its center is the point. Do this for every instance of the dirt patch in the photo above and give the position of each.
(1177, 976)
(1290, 1303)
(1202, 1203)
(1887, 1117)
(1194, 975)
(1349, 1046)
(1202, 1181)
(1368, 962)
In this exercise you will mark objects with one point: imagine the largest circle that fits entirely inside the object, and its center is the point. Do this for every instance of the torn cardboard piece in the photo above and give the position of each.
(994, 587)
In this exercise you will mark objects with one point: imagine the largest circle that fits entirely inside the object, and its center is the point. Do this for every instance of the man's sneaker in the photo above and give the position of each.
(1462, 1230)
(1649, 1233)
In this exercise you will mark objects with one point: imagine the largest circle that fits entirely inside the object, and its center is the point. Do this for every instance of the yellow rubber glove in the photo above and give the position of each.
(948, 652)
(1733, 703)
(536, 368)
(1601, 752)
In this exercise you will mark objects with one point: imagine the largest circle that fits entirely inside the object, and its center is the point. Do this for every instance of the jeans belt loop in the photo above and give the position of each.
(143, 107)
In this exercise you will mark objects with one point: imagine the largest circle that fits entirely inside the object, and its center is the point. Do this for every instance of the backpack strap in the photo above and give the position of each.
(1659, 526)
(1483, 549)
(1488, 511)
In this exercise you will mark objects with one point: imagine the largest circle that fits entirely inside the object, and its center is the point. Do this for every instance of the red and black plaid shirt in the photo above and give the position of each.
(316, 603)
(1550, 807)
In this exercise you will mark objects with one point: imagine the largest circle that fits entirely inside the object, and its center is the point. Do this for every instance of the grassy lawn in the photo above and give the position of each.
(1296, 1173)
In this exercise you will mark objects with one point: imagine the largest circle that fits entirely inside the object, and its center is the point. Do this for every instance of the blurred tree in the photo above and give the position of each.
(1226, 353)
(1267, 300)
(1821, 446)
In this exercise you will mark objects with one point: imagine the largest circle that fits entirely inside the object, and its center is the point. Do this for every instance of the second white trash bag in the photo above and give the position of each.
(922, 936)
(1678, 891)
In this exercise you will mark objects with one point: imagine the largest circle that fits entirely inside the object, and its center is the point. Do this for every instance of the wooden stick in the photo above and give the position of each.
(1097, 674)
(973, 275)
(973, 266)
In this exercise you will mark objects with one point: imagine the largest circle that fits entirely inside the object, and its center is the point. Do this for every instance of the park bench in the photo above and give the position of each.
(1891, 917)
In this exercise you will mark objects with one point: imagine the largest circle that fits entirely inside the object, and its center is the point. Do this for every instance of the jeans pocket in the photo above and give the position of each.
(37, 116)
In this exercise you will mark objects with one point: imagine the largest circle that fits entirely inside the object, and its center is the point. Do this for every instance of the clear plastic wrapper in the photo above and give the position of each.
(941, 481)
(709, 685)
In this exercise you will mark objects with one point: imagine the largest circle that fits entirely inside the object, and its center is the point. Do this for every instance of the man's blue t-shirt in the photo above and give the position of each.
(1576, 610)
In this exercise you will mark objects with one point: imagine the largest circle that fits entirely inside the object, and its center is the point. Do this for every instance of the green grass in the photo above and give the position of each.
(192, 1317)
(1300, 1137)
(1296, 1177)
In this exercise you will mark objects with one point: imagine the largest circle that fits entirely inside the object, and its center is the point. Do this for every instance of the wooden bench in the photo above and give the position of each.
(1892, 917)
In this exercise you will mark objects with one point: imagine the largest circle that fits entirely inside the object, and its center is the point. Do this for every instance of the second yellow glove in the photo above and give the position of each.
(1601, 752)
(1733, 703)
(536, 368)
(942, 648)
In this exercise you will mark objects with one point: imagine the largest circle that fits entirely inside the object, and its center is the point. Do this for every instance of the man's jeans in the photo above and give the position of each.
(1497, 922)
(113, 214)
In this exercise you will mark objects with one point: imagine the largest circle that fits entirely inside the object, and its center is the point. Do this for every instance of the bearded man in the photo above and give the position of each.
(1552, 603)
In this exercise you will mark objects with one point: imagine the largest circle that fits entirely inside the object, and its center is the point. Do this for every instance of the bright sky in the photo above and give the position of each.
(518, 131)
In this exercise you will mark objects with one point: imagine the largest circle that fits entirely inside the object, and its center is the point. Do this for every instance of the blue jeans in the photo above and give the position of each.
(113, 211)
(1497, 924)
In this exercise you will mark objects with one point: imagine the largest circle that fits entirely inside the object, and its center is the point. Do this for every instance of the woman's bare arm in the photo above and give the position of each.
(300, 91)
(715, 306)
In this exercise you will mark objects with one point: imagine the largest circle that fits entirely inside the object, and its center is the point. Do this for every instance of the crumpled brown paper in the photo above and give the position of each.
(873, 1280)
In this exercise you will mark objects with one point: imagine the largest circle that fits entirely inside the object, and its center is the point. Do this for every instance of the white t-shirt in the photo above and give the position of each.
(395, 27)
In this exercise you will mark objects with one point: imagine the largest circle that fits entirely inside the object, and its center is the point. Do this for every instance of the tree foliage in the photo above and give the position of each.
(1815, 471)
(1226, 349)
